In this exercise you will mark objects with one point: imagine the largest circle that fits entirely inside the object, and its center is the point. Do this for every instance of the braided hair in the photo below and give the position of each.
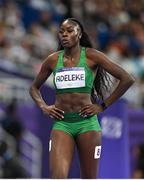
(102, 80)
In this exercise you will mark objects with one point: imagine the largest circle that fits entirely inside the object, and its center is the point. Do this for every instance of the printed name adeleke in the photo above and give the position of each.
(70, 77)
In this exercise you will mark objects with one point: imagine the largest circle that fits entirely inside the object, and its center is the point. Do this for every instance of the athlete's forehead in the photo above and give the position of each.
(69, 24)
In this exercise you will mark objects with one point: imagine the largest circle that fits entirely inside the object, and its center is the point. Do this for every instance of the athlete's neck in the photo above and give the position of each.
(72, 52)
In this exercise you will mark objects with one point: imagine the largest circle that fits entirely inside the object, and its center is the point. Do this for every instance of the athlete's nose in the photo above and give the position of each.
(65, 34)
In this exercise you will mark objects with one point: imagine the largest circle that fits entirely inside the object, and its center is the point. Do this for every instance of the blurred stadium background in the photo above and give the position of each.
(28, 34)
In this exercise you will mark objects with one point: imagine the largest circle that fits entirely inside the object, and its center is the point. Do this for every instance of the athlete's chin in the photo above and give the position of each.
(67, 45)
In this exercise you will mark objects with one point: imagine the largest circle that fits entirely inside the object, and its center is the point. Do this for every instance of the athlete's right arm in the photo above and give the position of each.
(45, 71)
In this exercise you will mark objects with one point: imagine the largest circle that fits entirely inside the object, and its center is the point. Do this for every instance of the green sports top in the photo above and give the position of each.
(73, 79)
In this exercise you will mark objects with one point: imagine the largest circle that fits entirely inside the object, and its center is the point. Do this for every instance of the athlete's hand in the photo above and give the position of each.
(90, 109)
(53, 112)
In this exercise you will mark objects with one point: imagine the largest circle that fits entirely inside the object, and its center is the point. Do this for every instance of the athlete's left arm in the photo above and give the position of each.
(125, 79)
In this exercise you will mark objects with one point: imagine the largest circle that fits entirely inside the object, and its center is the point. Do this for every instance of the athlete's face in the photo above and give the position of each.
(69, 34)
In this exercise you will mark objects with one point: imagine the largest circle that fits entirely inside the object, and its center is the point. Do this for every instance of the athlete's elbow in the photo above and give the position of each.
(31, 89)
(129, 80)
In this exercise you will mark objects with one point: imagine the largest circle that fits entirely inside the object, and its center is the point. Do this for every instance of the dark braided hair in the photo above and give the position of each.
(102, 79)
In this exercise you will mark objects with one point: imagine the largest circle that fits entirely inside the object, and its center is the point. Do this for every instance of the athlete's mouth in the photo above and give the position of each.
(65, 41)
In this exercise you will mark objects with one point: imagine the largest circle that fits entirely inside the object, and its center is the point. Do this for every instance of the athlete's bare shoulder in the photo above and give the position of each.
(91, 56)
(51, 60)
(91, 52)
(95, 55)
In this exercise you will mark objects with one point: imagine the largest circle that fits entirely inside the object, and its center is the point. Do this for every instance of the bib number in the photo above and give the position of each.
(70, 78)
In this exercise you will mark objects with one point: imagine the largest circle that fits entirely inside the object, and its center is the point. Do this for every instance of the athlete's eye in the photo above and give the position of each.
(70, 30)
(60, 31)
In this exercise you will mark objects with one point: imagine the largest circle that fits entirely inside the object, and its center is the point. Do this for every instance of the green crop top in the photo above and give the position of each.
(73, 79)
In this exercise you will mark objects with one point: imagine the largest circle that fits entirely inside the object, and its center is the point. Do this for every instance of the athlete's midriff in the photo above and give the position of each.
(72, 102)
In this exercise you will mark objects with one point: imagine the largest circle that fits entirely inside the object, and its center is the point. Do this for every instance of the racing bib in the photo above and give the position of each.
(72, 77)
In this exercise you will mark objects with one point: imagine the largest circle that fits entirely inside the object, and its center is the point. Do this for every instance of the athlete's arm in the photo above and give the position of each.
(126, 80)
(45, 71)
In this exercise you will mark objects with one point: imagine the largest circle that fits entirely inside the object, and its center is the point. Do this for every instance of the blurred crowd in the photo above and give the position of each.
(11, 130)
(28, 33)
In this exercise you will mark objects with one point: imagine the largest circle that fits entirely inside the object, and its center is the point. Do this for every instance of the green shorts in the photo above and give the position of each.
(74, 124)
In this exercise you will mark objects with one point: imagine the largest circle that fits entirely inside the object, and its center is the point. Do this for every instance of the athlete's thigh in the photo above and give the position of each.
(89, 146)
(61, 152)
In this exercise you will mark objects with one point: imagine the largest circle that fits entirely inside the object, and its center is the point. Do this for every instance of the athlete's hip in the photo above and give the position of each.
(76, 117)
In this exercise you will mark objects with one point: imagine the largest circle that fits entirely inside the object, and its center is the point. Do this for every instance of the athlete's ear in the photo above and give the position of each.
(80, 35)
(80, 32)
